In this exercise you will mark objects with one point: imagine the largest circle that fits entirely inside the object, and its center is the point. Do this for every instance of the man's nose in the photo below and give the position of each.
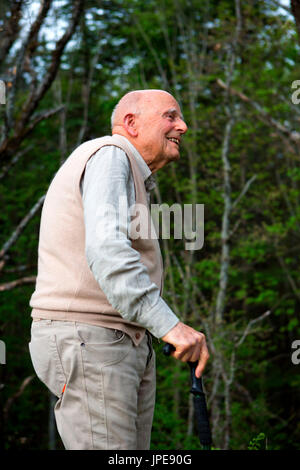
(181, 126)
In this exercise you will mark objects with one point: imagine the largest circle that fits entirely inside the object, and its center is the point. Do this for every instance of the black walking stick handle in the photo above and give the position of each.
(196, 383)
(199, 401)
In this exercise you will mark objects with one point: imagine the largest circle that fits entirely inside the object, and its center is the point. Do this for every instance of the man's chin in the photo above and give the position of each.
(174, 156)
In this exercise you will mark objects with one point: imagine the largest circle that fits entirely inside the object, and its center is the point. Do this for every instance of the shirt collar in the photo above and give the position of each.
(148, 178)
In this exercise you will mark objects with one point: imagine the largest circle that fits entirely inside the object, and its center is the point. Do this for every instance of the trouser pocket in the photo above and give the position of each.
(47, 364)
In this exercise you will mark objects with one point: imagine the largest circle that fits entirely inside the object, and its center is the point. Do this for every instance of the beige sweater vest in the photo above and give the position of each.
(65, 287)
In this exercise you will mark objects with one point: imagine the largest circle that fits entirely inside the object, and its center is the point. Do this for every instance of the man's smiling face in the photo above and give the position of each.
(152, 121)
(160, 128)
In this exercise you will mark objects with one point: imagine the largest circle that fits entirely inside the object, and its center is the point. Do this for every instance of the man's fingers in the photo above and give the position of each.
(195, 352)
(188, 353)
(190, 345)
(202, 362)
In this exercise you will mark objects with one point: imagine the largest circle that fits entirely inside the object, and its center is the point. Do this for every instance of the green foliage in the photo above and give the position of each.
(258, 442)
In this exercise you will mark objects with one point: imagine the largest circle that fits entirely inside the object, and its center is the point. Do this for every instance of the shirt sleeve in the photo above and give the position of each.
(107, 193)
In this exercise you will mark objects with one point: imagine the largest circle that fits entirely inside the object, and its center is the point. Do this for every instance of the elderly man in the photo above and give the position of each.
(97, 301)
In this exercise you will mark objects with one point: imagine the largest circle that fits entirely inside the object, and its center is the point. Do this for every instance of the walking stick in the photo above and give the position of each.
(199, 402)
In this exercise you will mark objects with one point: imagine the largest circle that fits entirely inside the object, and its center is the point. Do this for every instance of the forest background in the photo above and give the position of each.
(232, 67)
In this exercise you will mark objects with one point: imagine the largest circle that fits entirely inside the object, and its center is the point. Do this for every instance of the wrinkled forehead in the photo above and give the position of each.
(162, 104)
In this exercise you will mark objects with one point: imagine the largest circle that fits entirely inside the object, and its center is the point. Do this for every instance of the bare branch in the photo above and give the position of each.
(14, 161)
(10, 29)
(295, 9)
(16, 395)
(10, 144)
(280, 5)
(262, 115)
(21, 227)
(87, 86)
(33, 101)
(235, 227)
(18, 282)
(18, 269)
(41, 117)
(245, 189)
(29, 41)
(220, 303)
(249, 326)
(225, 225)
(292, 283)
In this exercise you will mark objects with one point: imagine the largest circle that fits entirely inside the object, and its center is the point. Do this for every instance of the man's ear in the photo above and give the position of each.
(129, 122)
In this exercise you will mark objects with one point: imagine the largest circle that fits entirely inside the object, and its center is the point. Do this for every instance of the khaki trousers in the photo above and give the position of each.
(105, 385)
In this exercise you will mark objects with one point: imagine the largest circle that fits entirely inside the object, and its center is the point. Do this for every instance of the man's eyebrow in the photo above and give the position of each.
(173, 111)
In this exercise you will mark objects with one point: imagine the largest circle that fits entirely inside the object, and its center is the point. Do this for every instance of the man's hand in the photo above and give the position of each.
(190, 346)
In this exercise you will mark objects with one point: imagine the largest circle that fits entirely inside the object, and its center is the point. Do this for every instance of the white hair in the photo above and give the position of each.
(132, 98)
(113, 116)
